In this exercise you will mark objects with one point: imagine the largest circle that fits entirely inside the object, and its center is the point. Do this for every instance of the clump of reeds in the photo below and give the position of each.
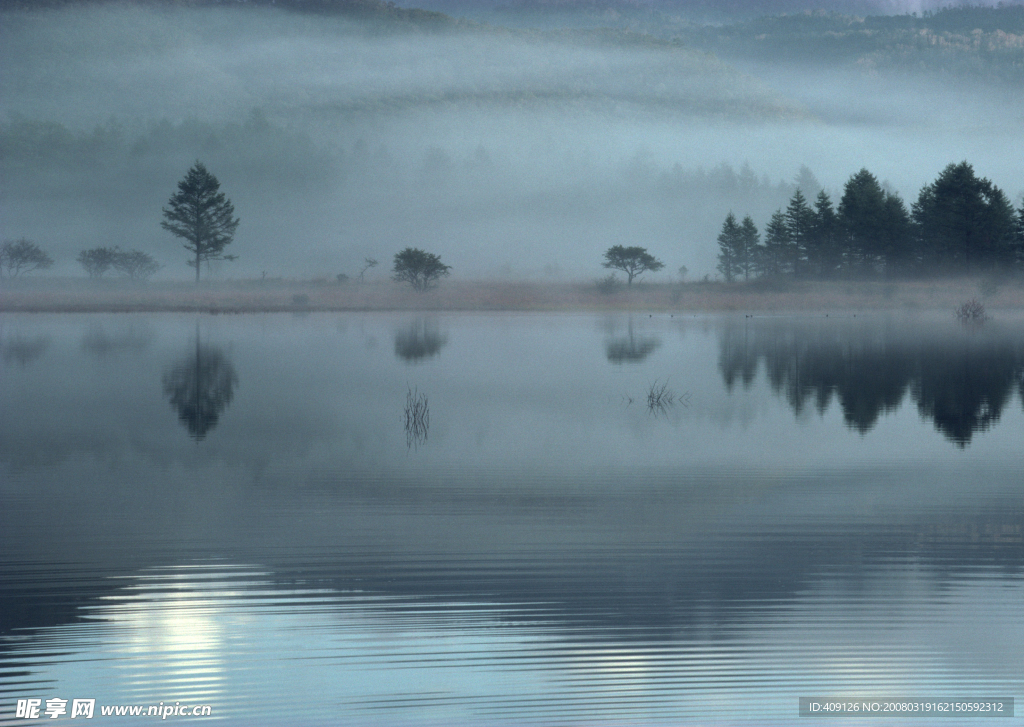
(659, 397)
(417, 418)
(971, 311)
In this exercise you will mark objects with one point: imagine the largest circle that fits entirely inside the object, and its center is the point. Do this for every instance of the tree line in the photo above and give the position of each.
(960, 223)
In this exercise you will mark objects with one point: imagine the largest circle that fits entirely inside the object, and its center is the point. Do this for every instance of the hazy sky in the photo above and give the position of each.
(509, 154)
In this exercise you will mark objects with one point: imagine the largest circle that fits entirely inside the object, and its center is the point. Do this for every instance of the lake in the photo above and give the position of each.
(463, 519)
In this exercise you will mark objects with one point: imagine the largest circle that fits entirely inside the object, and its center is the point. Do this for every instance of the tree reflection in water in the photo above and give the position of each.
(200, 387)
(961, 380)
(420, 340)
(631, 348)
(22, 351)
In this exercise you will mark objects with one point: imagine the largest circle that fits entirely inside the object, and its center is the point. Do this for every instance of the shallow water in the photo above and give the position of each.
(236, 511)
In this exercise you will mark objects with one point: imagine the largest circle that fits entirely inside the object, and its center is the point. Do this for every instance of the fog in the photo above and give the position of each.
(510, 153)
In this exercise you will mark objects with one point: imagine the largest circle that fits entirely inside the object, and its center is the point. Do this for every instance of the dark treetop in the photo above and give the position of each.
(200, 214)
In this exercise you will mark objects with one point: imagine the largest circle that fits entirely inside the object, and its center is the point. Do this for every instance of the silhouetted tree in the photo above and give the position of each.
(861, 218)
(749, 239)
(367, 264)
(136, 264)
(800, 225)
(22, 256)
(1019, 238)
(964, 222)
(418, 268)
(729, 248)
(200, 387)
(97, 261)
(806, 181)
(896, 247)
(633, 261)
(774, 255)
(200, 214)
(824, 254)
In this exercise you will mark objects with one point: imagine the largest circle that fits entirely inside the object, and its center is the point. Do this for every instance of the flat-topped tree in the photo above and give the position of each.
(633, 261)
(200, 214)
(419, 268)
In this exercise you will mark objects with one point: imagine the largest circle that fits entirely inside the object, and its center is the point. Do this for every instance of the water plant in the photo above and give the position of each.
(417, 418)
(659, 397)
(971, 311)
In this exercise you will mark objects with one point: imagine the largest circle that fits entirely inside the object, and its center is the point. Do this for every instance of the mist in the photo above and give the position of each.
(511, 153)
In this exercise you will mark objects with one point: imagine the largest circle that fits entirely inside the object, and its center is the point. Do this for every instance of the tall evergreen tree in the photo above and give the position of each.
(1019, 239)
(749, 237)
(964, 222)
(861, 218)
(729, 248)
(200, 214)
(895, 245)
(824, 253)
(773, 257)
(800, 223)
(806, 181)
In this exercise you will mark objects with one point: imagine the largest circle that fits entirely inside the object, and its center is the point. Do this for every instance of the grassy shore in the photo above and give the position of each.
(76, 295)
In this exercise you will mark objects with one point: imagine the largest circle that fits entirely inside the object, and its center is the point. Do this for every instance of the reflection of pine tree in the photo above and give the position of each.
(962, 385)
(965, 390)
(200, 387)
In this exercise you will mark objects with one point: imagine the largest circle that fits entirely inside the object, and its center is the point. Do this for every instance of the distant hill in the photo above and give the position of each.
(701, 11)
(361, 9)
(971, 40)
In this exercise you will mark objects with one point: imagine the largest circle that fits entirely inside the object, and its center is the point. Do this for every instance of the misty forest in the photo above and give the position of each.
(511, 362)
(344, 130)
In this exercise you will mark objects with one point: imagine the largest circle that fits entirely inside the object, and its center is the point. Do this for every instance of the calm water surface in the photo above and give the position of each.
(478, 519)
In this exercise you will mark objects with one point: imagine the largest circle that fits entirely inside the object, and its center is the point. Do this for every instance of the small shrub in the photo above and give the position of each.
(300, 299)
(971, 311)
(608, 285)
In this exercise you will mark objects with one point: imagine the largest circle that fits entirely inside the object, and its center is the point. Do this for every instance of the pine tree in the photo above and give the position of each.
(1018, 242)
(729, 252)
(964, 222)
(749, 239)
(824, 254)
(861, 217)
(201, 215)
(800, 223)
(774, 253)
(896, 241)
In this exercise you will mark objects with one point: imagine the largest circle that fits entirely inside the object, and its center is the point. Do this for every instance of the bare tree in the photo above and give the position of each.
(22, 256)
(367, 264)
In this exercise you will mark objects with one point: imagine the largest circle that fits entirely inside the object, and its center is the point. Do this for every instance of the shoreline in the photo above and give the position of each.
(52, 295)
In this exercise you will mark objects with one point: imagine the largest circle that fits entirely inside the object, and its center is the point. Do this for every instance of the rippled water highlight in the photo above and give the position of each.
(231, 512)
